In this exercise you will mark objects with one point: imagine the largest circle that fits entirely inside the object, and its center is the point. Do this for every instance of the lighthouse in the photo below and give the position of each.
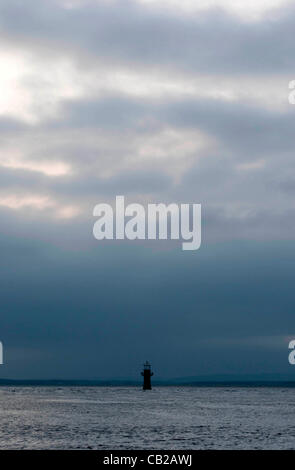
(147, 373)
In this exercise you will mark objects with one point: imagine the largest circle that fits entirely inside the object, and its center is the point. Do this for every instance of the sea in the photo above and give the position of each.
(163, 418)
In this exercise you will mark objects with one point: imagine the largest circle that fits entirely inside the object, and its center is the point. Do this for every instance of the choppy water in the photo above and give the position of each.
(164, 418)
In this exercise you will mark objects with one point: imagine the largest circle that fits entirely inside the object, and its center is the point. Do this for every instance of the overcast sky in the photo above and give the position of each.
(161, 101)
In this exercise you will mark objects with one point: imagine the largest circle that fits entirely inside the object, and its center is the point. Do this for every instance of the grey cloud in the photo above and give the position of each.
(132, 34)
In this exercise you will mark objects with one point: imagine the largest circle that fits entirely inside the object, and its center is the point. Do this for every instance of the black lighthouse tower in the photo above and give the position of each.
(147, 373)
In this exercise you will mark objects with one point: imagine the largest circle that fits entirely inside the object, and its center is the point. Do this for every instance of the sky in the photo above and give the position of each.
(159, 101)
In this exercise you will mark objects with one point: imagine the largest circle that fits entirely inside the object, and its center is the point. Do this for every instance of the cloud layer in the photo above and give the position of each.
(159, 102)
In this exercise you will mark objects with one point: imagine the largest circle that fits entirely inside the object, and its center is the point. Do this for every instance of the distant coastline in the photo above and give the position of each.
(133, 383)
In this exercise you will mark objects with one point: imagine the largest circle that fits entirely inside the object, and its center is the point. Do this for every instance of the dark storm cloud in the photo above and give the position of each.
(83, 306)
